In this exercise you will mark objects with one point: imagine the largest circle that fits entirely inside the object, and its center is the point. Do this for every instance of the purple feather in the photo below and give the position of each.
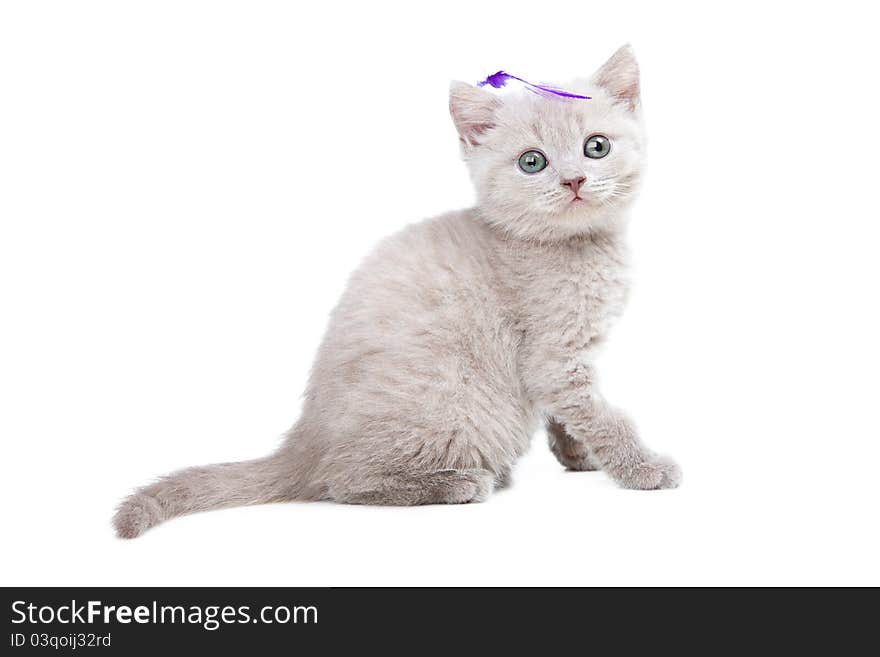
(499, 79)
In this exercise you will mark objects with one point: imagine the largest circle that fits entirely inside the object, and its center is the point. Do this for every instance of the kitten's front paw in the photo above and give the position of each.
(584, 464)
(654, 474)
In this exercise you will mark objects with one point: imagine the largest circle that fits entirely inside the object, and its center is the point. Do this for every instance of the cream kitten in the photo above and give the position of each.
(460, 335)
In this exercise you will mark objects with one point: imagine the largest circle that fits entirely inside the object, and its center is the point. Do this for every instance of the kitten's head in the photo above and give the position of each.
(551, 168)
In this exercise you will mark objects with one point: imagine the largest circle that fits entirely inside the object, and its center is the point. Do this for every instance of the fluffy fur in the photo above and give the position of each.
(459, 336)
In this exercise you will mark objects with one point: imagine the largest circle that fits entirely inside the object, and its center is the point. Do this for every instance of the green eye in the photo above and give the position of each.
(532, 161)
(597, 146)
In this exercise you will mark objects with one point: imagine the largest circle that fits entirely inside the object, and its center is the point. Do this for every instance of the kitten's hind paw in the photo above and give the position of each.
(469, 486)
(654, 474)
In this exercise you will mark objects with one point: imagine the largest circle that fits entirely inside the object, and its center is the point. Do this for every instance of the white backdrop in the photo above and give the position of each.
(185, 186)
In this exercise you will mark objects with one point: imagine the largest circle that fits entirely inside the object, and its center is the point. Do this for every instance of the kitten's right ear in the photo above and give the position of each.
(620, 77)
(473, 111)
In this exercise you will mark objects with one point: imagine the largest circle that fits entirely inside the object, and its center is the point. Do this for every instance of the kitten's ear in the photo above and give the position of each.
(619, 76)
(473, 111)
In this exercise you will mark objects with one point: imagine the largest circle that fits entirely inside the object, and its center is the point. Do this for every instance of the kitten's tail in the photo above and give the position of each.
(202, 488)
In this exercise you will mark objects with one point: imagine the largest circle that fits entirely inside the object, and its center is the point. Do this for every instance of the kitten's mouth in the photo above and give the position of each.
(577, 199)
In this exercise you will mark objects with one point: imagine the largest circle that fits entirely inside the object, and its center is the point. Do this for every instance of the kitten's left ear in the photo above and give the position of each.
(619, 76)
(473, 111)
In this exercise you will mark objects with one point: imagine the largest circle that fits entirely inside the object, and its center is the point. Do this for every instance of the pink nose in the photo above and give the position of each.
(574, 183)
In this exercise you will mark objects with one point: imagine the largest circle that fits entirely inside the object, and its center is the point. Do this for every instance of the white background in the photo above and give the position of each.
(185, 186)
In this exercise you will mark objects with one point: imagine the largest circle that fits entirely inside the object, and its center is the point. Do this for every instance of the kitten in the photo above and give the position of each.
(460, 335)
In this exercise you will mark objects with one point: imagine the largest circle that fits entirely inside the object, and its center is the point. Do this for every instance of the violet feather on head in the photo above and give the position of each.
(501, 78)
